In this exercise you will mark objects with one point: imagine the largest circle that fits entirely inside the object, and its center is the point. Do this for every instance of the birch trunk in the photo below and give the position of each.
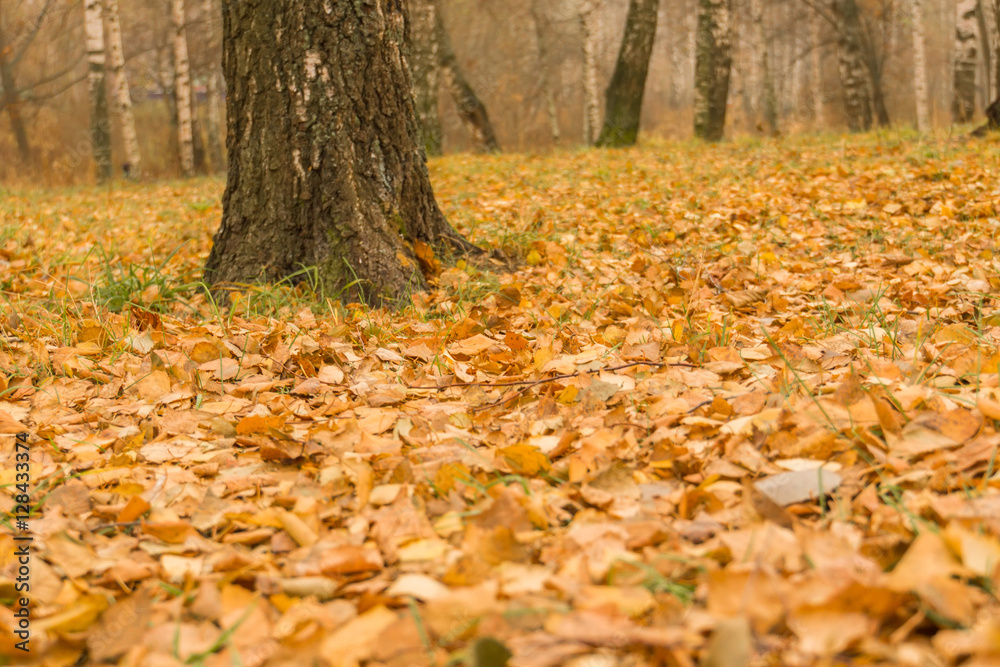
(623, 97)
(318, 174)
(213, 98)
(100, 131)
(712, 67)
(541, 25)
(591, 103)
(426, 72)
(964, 105)
(470, 107)
(853, 76)
(819, 114)
(920, 67)
(768, 98)
(182, 89)
(123, 97)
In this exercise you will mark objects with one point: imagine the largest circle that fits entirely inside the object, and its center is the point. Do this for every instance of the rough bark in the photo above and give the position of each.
(964, 101)
(713, 60)
(425, 67)
(11, 100)
(325, 167)
(123, 97)
(213, 99)
(541, 22)
(853, 74)
(100, 131)
(623, 97)
(182, 89)
(920, 67)
(591, 104)
(470, 107)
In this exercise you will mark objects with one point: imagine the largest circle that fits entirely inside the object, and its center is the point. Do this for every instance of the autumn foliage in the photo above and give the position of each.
(735, 403)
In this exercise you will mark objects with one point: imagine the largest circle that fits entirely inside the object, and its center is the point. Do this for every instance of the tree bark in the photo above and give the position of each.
(325, 166)
(591, 104)
(213, 99)
(920, 67)
(713, 60)
(768, 98)
(426, 69)
(853, 75)
(100, 131)
(123, 97)
(623, 97)
(964, 101)
(11, 100)
(819, 115)
(541, 22)
(182, 89)
(470, 108)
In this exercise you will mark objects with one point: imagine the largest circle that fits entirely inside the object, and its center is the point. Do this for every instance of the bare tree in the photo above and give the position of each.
(712, 69)
(100, 134)
(182, 88)
(623, 97)
(123, 97)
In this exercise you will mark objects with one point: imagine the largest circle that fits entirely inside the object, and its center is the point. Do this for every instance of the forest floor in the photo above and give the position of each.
(738, 405)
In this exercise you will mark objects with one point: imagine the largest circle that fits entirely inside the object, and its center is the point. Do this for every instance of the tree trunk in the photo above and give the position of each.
(920, 68)
(182, 89)
(591, 105)
(964, 105)
(768, 98)
(541, 29)
(426, 69)
(11, 101)
(470, 108)
(213, 120)
(853, 75)
(623, 97)
(713, 59)
(100, 131)
(123, 98)
(819, 115)
(319, 175)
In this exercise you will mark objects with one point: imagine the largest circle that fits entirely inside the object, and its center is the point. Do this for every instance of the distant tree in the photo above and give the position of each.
(325, 168)
(425, 66)
(542, 22)
(712, 68)
(100, 128)
(470, 107)
(920, 66)
(623, 97)
(964, 102)
(586, 13)
(213, 98)
(123, 97)
(182, 89)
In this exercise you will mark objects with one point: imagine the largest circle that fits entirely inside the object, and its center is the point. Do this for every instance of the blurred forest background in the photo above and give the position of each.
(539, 67)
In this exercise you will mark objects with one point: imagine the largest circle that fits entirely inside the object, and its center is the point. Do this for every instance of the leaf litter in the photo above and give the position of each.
(736, 405)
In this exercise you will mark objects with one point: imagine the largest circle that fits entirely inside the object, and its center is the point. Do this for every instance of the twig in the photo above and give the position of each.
(554, 378)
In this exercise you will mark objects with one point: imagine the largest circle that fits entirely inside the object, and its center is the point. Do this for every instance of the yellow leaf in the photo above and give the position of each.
(525, 459)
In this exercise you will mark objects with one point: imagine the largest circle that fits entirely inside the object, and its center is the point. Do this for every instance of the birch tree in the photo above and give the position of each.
(920, 67)
(347, 192)
(712, 67)
(213, 98)
(100, 135)
(591, 104)
(182, 88)
(123, 97)
(541, 22)
(854, 81)
(623, 97)
(425, 67)
(964, 101)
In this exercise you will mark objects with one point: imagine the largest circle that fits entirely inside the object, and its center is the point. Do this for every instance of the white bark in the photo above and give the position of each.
(182, 89)
(99, 130)
(920, 67)
(819, 115)
(123, 97)
(966, 33)
(591, 93)
(214, 100)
